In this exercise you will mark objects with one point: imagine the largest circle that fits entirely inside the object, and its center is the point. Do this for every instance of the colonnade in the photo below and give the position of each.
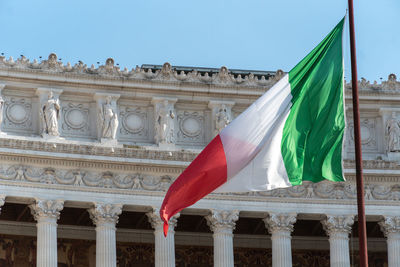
(222, 224)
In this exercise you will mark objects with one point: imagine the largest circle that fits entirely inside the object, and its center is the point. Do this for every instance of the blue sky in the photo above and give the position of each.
(251, 34)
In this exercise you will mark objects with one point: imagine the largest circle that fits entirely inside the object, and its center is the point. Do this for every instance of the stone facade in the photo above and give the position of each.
(111, 141)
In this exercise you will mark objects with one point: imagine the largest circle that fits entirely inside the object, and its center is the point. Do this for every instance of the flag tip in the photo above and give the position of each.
(165, 229)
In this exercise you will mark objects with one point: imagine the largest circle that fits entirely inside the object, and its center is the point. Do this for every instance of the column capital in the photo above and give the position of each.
(45, 208)
(334, 224)
(156, 222)
(102, 213)
(220, 220)
(390, 224)
(277, 222)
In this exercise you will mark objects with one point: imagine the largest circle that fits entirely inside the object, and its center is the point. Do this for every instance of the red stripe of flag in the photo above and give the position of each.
(206, 173)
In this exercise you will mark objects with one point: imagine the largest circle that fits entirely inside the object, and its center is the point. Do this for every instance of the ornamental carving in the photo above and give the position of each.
(44, 208)
(156, 222)
(134, 122)
(75, 119)
(105, 213)
(368, 134)
(334, 224)
(280, 222)
(138, 181)
(390, 225)
(18, 114)
(85, 178)
(191, 127)
(222, 220)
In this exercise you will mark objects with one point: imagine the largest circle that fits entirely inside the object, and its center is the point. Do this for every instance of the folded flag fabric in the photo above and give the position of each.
(292, 133)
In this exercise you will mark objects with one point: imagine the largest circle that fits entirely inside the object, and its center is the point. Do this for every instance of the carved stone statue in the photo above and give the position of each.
(109, 120)
(164, 124)
(222, 119)
(50, 114)
(1, 110)
(393, 134)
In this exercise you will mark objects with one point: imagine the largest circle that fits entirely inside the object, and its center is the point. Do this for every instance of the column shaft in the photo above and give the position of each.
(338, 228)
(46, 213)
(47, 242)
(222, 223)
(280, 226)
(339, 247)
(393, 243)
(105, 217)
(164, 246)
(223, 249)
(390, 226)
(164, 249)
(281, 249)
(106, 245)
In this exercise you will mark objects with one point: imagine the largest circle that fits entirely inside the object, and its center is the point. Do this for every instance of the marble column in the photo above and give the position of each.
(105, 217)
(338, 228)
(46, 214)
(390, 226)
(164, 246)
(222, 224)
(280, 226)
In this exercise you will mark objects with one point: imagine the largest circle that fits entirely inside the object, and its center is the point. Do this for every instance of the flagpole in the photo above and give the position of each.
(362, 228)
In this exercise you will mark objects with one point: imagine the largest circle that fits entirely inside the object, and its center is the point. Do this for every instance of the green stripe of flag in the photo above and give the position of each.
(313, 133)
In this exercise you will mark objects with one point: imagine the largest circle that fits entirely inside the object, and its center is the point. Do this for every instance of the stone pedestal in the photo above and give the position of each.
(164, 246)
(105, 217)
(46, 213)
(280, 227)
(222, 224)
(390, 226)
(338, 228)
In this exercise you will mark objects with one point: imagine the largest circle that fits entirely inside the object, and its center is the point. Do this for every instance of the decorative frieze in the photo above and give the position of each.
(85, 178)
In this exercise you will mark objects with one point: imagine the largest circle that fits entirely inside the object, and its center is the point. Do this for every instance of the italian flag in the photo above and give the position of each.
(292, 133)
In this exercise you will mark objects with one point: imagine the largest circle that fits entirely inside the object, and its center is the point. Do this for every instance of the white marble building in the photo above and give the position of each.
(86, 155)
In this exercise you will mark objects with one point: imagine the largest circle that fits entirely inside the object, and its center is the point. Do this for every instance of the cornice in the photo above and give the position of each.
(52, 70)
